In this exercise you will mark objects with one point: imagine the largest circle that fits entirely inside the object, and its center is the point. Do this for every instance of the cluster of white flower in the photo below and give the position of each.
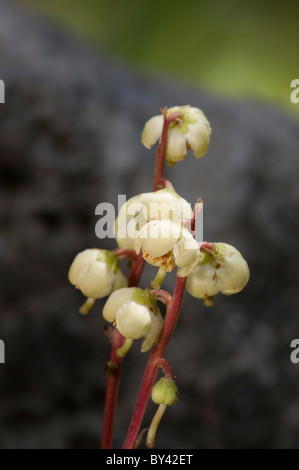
(154, 224)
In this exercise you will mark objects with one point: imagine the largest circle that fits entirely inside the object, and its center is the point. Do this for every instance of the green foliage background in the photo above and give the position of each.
(234, 47)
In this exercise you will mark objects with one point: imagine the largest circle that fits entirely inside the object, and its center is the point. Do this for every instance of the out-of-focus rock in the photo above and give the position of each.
(70, 139)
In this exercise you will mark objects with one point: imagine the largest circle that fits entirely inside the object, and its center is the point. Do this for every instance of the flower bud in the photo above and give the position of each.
(136, 315)
(96, 273)
(222, 270)
(165, 243)
(191, 130)
(165, 392)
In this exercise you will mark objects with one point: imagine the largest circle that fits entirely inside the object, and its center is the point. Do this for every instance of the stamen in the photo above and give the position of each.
(165, 260)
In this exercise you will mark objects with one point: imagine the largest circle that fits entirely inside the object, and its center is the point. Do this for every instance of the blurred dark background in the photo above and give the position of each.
(81, 80)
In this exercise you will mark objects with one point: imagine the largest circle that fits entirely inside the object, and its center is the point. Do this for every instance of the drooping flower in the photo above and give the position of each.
(136, 315)
(223, 269)
(169, 244)
(96, 273)
(191, 130)
(131, 218)
(164, 204)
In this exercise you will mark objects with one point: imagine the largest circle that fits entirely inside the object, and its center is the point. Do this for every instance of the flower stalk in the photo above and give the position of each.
(87, 306)
(122, 253)
(163, 363)
(162, 295)
(136, 271)
(112, 391)
(125, 348)
(151, 435)
(154, 361)
(158, 182)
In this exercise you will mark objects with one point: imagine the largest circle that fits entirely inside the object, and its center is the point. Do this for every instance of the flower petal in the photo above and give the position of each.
(186, 254)
(198, 137)
(201, 117)
(133, 320)
(96, 280)
(203, 282)
(82, 260)
(131, 218)
(233, 275)
(115, 301)
(166, 204)
(120, 281)
(157, 238)
(176, 109)
(176, 149)
(155, 331)
(152, 131)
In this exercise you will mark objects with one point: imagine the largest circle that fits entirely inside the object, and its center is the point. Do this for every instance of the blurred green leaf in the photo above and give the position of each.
(231, 47)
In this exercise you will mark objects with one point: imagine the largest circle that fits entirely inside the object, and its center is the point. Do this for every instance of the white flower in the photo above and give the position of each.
(137, 211)
(224, 270)
(131, 218)
(166, 204)
(96, 273)
(165, 243)
(136, 315)
(191, 130)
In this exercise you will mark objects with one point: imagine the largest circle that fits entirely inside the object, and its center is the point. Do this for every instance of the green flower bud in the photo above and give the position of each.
(165, 392)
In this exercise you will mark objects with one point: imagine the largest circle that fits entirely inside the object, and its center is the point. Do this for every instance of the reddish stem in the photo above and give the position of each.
(151, 370)
(136, 271)
(165, 184)
(162, 295)
(166, 368)
(122, 253)
(161, 152)
(112, 392)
